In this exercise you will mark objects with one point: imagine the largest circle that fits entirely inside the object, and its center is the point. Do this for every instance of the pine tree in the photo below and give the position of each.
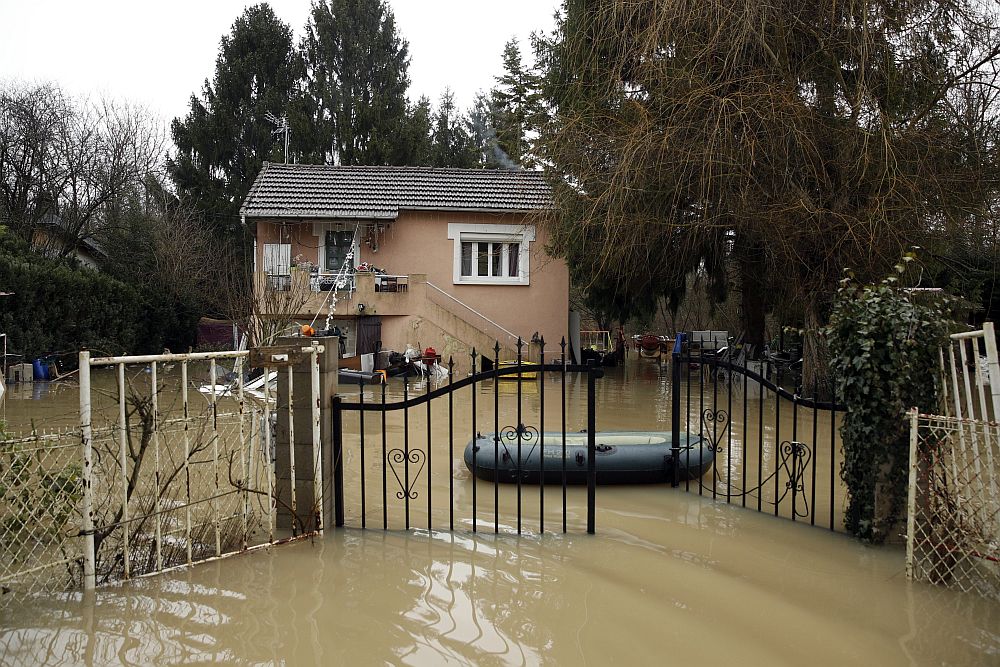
(225, 137)
(452, 143)
(515, 106)
(353, 108)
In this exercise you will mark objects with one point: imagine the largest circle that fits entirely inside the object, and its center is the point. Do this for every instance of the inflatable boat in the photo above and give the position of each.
(630, 457)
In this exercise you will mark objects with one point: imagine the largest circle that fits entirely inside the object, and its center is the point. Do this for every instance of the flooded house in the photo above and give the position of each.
(445, 258)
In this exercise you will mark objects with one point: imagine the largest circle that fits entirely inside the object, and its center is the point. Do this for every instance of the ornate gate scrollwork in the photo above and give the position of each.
(715, 424)
(397, 457)
(508, 434)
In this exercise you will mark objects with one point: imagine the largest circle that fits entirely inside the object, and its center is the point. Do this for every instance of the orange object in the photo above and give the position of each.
(308, 330)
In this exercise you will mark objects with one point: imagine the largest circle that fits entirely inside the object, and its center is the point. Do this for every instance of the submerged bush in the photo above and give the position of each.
(884, 344)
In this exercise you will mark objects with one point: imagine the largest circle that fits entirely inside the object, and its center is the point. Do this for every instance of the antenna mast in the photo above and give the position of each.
(282, 128)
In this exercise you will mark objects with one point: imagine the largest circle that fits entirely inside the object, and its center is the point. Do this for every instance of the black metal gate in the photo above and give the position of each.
(774, 449)
(404, 464)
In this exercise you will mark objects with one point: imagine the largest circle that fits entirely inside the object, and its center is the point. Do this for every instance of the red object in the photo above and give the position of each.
(650, 343)
(430, 356)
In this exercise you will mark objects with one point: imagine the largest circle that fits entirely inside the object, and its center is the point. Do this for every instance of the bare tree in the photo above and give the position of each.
(72, 162)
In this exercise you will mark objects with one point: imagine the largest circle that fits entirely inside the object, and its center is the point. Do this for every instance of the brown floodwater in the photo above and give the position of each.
(670, 575)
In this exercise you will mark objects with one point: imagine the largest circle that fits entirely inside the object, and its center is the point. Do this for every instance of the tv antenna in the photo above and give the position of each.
(282, 128)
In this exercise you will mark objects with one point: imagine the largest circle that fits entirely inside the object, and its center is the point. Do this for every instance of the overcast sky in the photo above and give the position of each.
(158, 53)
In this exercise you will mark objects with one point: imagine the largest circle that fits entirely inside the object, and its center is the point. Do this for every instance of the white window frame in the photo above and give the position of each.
(277, 259)
(460, 233)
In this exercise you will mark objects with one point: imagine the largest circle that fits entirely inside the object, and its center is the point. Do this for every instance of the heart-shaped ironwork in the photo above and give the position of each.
(397, 457)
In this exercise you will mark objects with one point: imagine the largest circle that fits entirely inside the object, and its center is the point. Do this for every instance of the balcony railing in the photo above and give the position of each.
(323, 281)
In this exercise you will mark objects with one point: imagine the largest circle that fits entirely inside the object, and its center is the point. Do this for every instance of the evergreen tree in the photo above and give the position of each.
(353, 108)
(225, 137)
(452, 143)
(418, 143)
(778, 142)
(515, 106)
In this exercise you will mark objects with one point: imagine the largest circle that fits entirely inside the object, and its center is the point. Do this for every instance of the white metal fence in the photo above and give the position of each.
(142, 486)
(953, 531)
(41, 485)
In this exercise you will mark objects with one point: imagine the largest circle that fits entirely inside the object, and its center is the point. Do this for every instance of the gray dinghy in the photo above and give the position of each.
(627, 457)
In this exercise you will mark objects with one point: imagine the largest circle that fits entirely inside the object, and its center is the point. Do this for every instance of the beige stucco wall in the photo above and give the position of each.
(417, 243)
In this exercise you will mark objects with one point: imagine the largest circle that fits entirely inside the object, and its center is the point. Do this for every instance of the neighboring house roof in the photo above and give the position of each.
(56, 223)
(325, 191)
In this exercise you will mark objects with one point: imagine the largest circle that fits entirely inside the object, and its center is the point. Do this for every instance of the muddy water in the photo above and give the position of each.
(670, 576)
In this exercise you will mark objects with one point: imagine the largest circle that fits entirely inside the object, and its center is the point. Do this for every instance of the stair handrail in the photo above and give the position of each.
(511, 334)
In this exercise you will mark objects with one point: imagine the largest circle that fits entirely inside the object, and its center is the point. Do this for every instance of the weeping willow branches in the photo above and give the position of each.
(812, 136)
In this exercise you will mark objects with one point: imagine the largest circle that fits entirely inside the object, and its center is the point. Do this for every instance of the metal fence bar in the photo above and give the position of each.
(406, 454)
(385, 510)
(246, 455)
(158, 492)
(317, 444)
(215, 461)
(911, 493)
(361, 461)
(563, 381)
(267, 453)
(123, 464)
(87, 507)
(187, 464)
(541, 443)
(496, 437)
(291, 449)
(451, 442)
(520, 345)
(338, 462)
(430, 467)
(474, 437)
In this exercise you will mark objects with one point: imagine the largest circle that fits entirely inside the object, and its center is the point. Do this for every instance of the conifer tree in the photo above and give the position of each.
(778, 142)
(225, 136)
(353, 109)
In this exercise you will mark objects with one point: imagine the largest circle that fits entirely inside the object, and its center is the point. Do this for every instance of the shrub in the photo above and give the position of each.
(884, 344)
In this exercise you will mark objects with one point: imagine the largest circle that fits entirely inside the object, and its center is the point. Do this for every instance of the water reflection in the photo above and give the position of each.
(669, 577)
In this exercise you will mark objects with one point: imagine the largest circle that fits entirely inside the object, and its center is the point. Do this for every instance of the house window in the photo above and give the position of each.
(277, 263)
(491, 254)
(490, 259)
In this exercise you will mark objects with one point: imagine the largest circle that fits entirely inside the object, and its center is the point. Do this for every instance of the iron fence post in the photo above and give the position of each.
(592, 374)
(675, 408)
(338, 462)
(87, 508)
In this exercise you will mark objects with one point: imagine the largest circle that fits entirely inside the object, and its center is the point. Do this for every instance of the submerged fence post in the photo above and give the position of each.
(338, 462)
(87, 507)
(911, 494)
(675, 408)
(593, 373)
(316, 436)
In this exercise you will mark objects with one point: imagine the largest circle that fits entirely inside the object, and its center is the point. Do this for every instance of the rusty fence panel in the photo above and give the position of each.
(953, 522)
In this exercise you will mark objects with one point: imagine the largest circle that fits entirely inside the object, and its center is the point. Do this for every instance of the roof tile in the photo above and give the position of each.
(325, 191)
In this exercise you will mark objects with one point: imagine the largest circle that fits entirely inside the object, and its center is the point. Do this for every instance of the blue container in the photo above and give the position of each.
(40, 370)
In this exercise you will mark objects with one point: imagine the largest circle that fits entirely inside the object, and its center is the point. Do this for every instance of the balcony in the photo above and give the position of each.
(307, 293)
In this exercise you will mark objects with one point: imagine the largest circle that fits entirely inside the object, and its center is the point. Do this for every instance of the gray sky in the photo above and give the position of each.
(158, 53)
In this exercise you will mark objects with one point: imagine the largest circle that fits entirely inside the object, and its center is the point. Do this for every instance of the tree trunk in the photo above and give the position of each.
(753, 303)
(815, 355)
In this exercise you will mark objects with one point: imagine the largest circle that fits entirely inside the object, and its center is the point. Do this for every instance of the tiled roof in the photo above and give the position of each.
(324, 191)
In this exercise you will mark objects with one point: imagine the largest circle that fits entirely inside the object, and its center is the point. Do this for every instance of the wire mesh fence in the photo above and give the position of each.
(165, 470)
(953, 535)
(41, 483)
(194, 489)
